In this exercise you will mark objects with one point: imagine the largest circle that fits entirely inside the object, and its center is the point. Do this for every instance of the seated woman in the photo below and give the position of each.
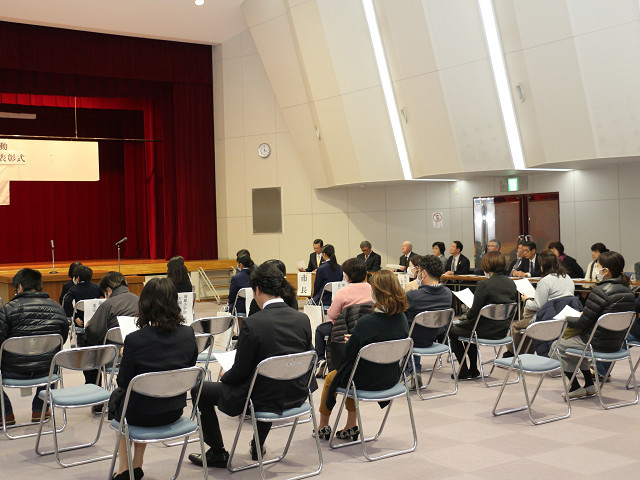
(496, 289)
(357, 291)
(569, 263)
(179, 275)
(239, 281)
(288, 295)
(611, 294)
(437, 249)
(162, 343)
(328, 272)
(555, 283)
(387, 322)
(592, 271)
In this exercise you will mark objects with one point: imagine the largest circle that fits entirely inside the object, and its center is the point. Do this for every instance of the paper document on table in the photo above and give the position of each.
(127, 325)
(567, 312)
(525, 288)
(465, 296)
(394, 266)
(226, 359)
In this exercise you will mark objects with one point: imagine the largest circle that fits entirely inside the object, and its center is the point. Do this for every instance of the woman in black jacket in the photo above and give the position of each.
(162, 343)
(387, 322)
(497, 289)
(611, 294)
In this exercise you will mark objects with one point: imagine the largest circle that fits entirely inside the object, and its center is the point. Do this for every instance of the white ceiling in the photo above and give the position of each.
(178, 20)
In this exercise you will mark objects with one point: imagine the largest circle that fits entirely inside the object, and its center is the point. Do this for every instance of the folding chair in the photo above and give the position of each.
(546, 331)
(214, 326)
(434, 319)
(630, 344)
(30, 345)
(247, 294)
(491, 313)
(392, 351)
(85, 358)
(112, 337)
(289, 368)
(80, 307)
(615, 322)
(165, 384)
(332, 287)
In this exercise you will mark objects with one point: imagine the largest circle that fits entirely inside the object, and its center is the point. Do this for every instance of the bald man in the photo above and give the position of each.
(407, 253)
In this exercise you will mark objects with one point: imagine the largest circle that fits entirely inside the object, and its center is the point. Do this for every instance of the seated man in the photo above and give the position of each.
(457, 263)
(277, 329)
(530, 265)
(119, 301)
(407, 254)
(371, 259)
(30, 312)
(83, 289)
(430, 295)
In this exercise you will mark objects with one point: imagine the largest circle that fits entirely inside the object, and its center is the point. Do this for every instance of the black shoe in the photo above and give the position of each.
(217, 460)
(254, 453)
(97, 409)
(137, 474)
(468, 374)
(507, 354)
(350, 434)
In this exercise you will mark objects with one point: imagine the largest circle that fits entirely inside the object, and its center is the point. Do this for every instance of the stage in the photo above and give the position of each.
(134, 269)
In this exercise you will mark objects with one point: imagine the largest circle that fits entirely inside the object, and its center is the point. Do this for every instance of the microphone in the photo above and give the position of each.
(121, 241)
(53, 258)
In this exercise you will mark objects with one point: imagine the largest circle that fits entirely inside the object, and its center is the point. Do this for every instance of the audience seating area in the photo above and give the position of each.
(458, 437)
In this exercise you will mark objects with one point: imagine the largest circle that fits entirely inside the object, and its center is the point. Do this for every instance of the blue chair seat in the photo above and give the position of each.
(633, 343)
(607, 356)
(81, 395)
(29, 382)
(203, 356)
(530, 363)
(395, 391)
(288, 413)
(489, 341)
(435, 349)
(182, 426)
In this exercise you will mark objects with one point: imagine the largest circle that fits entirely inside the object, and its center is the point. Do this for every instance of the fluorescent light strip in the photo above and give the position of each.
(387, 88)
(502, 83)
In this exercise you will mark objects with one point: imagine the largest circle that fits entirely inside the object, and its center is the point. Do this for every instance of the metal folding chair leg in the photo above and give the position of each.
(426, 386)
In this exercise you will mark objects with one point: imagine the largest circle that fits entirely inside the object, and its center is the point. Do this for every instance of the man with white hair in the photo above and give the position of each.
(407, 253)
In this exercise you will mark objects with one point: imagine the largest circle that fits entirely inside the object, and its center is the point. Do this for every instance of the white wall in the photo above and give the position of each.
(595, 205)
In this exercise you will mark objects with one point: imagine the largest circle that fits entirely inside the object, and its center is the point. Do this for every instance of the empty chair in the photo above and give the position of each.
(434, 319)
(27, 346)
(214, 326)
(112, 337)
(522, 363)
(169, 383)
(612, 322)
(87, 395)
(283, 368)
(389, 352)
(490, 313)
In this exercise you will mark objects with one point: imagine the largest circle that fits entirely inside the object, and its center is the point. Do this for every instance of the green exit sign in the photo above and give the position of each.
(512, 184)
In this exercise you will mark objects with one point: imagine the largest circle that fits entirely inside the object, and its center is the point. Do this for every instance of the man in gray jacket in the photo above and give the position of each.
(119, 301)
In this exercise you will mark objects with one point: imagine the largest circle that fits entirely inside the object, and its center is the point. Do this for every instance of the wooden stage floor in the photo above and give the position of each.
(138, 266)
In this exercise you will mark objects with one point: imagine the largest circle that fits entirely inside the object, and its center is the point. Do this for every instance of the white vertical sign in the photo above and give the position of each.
(304, 284)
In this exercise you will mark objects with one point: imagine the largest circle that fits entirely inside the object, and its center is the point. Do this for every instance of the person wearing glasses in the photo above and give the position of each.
(371, 259)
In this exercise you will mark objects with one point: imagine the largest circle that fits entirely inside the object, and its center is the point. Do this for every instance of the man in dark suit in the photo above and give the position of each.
(315, 258)
(277, 329)
(517, 262)
(457, 264)
(407, 253)
(371, 259)
(530, 266)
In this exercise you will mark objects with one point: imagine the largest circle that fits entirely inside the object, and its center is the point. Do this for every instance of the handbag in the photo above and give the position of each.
(115, 400)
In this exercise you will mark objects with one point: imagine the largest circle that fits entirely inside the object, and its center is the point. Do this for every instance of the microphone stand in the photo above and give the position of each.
(53, 260)
(118, 258)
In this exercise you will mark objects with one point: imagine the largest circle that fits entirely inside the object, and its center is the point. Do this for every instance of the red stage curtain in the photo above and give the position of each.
(161, 195)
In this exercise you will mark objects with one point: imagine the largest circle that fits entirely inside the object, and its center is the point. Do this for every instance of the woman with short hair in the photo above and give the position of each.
(386, 322)
(497, 289)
